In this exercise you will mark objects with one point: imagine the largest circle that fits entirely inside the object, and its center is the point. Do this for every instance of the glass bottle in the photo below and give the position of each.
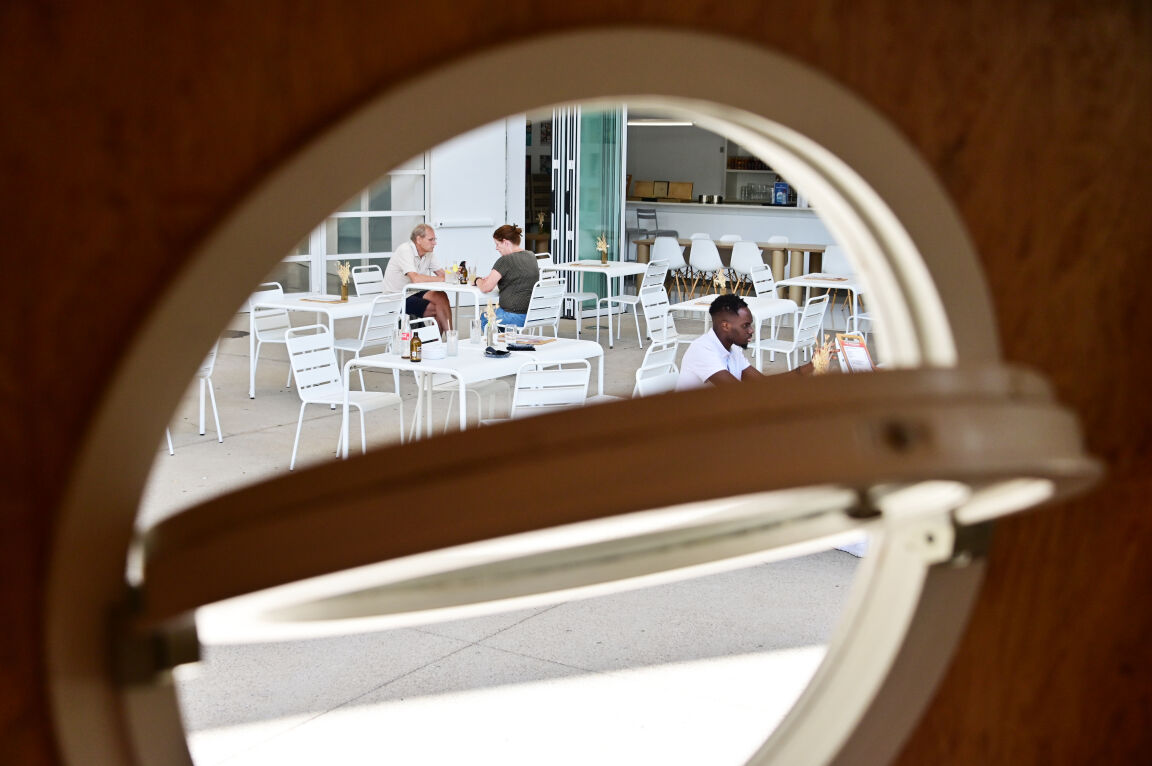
(463, 272)
(405, 337)
(416, 353)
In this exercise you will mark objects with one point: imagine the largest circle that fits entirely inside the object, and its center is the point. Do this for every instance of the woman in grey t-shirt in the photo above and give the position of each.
(515, 272)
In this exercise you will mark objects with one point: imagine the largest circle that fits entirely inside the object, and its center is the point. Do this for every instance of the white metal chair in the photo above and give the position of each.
(543, 387)
(318, 381)
(859, 320)
(658, 373)
(730, 238)
(544, 306)
(704, 259)
(658, 320)
(769, 304)
(809, 323)
(578, 297)
(654, 275)
(269, 325)
(204, 376)
(376, 329)
(368, 280)
(746, 256)
(669, 250)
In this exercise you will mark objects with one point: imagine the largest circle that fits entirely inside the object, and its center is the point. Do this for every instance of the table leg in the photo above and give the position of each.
(252, 352)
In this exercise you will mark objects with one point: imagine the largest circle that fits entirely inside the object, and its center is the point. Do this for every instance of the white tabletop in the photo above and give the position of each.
(761, 307)
(329, 304)
(470, 365)
(612, 269)
(824, 280)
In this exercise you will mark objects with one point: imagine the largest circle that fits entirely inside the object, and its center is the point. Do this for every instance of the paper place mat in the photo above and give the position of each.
(825, 277)
(323, 300)
(583, 265)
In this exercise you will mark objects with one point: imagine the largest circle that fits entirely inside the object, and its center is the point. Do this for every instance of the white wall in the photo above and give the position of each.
(476, 183)
(677, 153)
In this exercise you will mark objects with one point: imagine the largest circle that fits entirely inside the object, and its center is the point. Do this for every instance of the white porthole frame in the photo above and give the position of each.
(873, 192)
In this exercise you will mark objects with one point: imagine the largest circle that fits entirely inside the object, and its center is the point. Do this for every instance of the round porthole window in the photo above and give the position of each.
(930, 452)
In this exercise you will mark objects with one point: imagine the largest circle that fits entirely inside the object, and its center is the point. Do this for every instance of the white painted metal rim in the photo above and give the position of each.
(801, 120)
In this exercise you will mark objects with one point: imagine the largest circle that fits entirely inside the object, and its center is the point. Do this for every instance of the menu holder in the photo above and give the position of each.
(854, 356)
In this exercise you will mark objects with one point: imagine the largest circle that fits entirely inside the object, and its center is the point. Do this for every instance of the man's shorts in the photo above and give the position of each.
(416, 304)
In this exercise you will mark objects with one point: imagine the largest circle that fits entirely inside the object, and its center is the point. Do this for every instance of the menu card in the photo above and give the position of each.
(854, 356)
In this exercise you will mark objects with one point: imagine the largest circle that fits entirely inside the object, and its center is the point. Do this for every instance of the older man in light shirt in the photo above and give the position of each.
(413, 261)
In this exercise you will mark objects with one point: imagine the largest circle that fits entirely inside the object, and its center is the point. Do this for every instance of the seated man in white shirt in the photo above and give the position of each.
(717, 356)
(413, 262)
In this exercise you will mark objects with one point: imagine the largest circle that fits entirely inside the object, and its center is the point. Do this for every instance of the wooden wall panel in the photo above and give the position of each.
(131, 128)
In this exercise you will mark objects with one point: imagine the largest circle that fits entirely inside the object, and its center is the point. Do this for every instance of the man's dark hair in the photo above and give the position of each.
(728, 303)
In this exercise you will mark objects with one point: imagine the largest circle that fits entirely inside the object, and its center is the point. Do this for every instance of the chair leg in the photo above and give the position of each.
(363, 433)
(215, 411)
(202, 408)
(636, 316)
(168, 435)
(296, 442)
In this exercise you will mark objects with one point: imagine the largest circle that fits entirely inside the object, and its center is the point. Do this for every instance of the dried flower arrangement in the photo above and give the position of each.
(344, 271)
(822, 357)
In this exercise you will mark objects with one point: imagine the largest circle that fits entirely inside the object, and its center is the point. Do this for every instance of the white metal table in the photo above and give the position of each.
(613, 270)
(825, 281)
(448, 287)
(334, 308)
(762, 308)
(469, 366)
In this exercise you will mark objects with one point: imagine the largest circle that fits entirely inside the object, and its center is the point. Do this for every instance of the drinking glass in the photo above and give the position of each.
(474, 334)
(453, 342)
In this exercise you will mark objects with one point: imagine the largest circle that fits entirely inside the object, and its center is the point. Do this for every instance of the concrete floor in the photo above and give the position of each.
(695, 672)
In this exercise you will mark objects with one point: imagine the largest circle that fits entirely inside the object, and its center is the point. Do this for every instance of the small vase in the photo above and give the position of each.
(343, 291)
(604, 257)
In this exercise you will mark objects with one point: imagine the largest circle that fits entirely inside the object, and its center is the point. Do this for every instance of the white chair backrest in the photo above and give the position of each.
(763, 281)
(368, 280)
(313, 360)
(668, 249)
(811, 321)
(383, 319)
(780, 239)
(659, 372)
(657, 316)
(730, 238)
(700, 235)
(265, 320)
(746, 256)
(426, 329)
(704, 256)
(548, 386)
(656, 273)
(546, 303)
